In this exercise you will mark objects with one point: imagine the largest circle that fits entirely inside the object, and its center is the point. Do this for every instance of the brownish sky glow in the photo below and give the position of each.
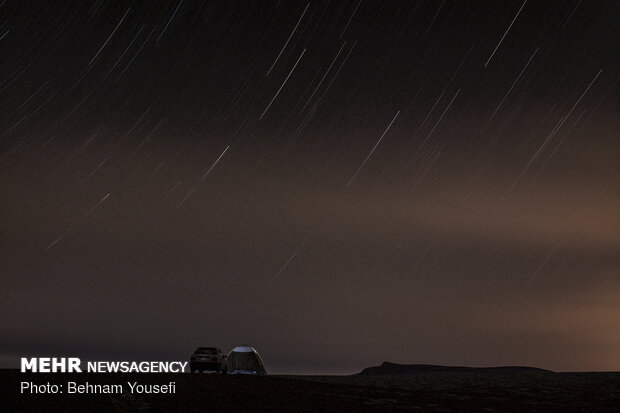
(167, 180)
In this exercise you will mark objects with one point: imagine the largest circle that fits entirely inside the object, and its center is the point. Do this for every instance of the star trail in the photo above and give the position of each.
(338, 183)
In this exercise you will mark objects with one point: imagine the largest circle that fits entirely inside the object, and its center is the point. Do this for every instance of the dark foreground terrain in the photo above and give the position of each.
(431, 391)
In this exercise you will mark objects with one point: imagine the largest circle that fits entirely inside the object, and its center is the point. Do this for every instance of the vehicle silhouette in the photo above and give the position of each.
(208, 359)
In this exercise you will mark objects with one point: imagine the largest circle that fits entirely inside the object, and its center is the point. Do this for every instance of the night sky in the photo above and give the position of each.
(335, 183)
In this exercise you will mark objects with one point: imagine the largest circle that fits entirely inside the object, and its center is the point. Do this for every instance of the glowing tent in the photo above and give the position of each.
(244, 360)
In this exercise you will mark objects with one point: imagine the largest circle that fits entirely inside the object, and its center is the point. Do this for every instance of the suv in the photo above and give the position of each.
(208, 359)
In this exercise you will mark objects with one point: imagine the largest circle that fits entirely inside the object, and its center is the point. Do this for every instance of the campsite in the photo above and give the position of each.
(242, 359)
(310, 206)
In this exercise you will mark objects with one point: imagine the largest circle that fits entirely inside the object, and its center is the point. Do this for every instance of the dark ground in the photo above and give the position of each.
(425, 392)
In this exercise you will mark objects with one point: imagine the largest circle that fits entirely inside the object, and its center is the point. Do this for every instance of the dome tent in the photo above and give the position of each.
(244, 360)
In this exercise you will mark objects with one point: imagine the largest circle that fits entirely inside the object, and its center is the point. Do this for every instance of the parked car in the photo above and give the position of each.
(208, 359)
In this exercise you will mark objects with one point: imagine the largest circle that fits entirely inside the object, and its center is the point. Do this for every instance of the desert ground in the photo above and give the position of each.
(450, 391)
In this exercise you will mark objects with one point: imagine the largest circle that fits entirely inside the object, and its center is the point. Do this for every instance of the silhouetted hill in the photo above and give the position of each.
(395, 369)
